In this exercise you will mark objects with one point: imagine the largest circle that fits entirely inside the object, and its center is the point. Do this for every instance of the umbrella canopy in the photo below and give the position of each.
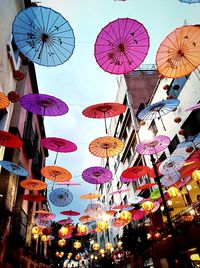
(170, 179)
(42, 212)
(190, 1)
(155, 193)
(171, 164)
(70, 213)
(106, 146)
(158, 109)
(13, 168)
(193, 141)
(136, 172)
(43, 36)
(4, 101)
(9, 140)
(121, 46)
(46, 217)
(119, 206)
(155, 145)
(135, 199)
(34, 185)
(33, 197)
(42, 223)
(182, 182)
(61, 197)
(138, 214)
(145, 186)
(97, 175)
(120, 191)
(69, 183)
(193, 107)
(90, 196)
(178, 54)
(86, 218)
(56, 174)
(43, 104)
(95, 210)
(65, 221)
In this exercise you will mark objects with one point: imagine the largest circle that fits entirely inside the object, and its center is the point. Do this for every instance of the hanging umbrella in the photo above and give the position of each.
(43, 104)
(4, 101)
(104, 110)
(182, 182)
(13, 168)
(97, 175)
(43, 36)
(138, 214)
(42, 212)
(117, 223)
(33, 197)
(86, 218)
(121, 46)
(106, 146)
(120, 191)
(70, 213)
(119, 206)
(170, 179)
(190, 1)
(56, 174)
(171, 165)
(155, 145)
(178, 54)
(42, 223)
(110, 213)
(46, 217)
(186, 171)
(95, 210)
(136, 172)
(158, 109)
(135, 199)
(58, 145)
(193, 107)
(69, 183)
(34, 185)
(90, 196)
(61, 197)
(145, 186)
(193, 141)
(155, 193)
(65, 221)
(9, 140)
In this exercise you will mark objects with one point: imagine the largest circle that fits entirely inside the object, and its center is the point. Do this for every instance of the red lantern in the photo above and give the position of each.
(166, 87)
(13, 96)
(189, 149)
(161, 76)
(170, 97)
(18, 75)
(177, 120)
(181, 132)
(63, 232)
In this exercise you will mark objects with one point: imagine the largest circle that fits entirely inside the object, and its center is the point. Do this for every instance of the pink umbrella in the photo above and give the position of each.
(155, 145)
(193, 107)
(58, 145)
(65, 221)
(121, 46)
(46, 217)
(137, 214)
(182, 182)
(119, 206)
(69, 183)
(120, 191)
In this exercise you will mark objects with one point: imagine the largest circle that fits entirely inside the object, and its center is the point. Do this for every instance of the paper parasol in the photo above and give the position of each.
(153, 146)
(56, 174)
(33, 197)
(170, 179)
(155, 193)
(136, 172)
(190, 1)
(95, 210)
(138, 214)
(135, 199)
(46, 217)
(120, 191)
(42, 223)
(43, 35)
(34, 185)
(65, 221)
(193, 107)
(90, 196)
(119, 206)
(182, 182)
(13, 168)
(145, 186)
(42, 212)
(9, 140)
(171, 165)
(86, 218)
(97, 175)
(43, 104)
(193, 141)
(70, 213)
(61, 197)
(4, 101)
(121, 46)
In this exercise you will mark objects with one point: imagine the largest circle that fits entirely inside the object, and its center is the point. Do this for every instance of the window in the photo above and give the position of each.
(173, 144)
(13, 54)
(3, 116)
(153, 128)
(162, 157)
(192, 124)
(176, 86)
(125, 200)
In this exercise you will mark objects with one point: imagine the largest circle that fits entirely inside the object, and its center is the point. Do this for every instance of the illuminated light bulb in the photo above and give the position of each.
(95, 257)
(102, 225)
(149, 236)
(189, 187)
(169, 202)
(196, 175)
(92, 257)
(108, 246)
(63, 232)
(35, 230)
(77, 245)
(101, 251)
(95, 246)
(119, 244)
(173, 191)
(162, 208)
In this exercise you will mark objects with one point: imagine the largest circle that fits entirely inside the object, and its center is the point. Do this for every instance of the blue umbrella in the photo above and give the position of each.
(61, 197)
(190, 1)
(190, 141)
(14, 168)
(158, 109)
(43, 35)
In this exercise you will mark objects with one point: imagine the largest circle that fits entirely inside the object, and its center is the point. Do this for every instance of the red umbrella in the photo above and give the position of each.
(145, 186)
(119, 206)
(33, 197)
(104, 110)
(9, 140)
(70, 213)
(137, 214)
(136, 172)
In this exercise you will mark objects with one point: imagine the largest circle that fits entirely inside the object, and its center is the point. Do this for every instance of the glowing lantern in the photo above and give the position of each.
(44, 238)
(57, 254)
(35, 230)
(69, 255)
(119, 244)
(77, 245)
(173, 191)
(82, 228)
(125, 215)
(13, 96)
(95, 246)
(166, 87)
(170, 97)
(102, 225)
(108, 246)
(181, 132)
(177, 119)
(148, 206)
(61, 254)
(189, 149)
(78, 256)
(101, 251)
(63, 232)
(196, 175)
(62, 242)
(195, 257)
(35, 236)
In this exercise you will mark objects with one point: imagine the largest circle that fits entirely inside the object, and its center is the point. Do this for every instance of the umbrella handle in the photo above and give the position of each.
(105, 124)
(55, 158)
(162, 121)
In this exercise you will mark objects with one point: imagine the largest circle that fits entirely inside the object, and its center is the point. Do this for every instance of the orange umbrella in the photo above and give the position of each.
(106, 146)
(34, 185)
(4, 101)
(85, 218)
(178, 54)
(90, 196)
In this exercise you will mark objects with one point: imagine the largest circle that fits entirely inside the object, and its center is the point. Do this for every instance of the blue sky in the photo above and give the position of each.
(80, 82)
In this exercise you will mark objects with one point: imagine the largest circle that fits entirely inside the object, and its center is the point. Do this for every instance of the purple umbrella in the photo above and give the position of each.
(155, 145)
(97, 175)
(171, 165)
(43, 104)
(121, 46)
